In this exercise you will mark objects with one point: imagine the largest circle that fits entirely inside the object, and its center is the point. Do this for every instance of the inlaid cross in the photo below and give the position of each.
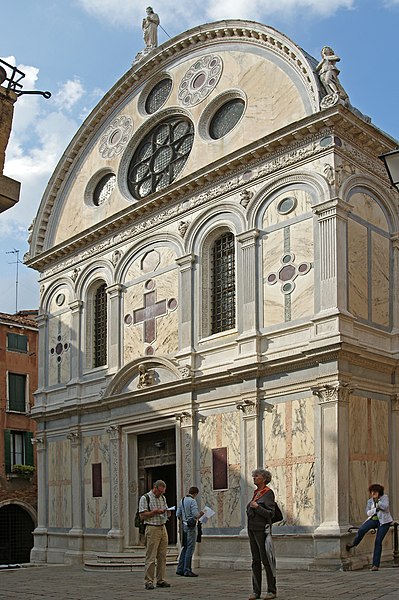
(148, 314)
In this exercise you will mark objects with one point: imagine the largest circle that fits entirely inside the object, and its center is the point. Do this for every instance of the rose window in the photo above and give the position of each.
(160, 157)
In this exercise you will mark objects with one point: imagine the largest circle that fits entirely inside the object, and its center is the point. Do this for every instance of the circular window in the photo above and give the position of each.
(286, 205)
(60, 299)
(104, 189)
(225, 118)
(158, 95)
(160, 157)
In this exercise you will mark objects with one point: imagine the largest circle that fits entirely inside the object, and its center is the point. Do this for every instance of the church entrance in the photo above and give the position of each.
(157, 460)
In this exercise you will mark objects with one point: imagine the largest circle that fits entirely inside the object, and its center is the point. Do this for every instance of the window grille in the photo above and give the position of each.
(226, 118)
(100, 327)
(158, 96)
(223, 284)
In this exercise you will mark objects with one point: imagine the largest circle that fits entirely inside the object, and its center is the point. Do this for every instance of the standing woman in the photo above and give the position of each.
(379, 518)
(260, 512)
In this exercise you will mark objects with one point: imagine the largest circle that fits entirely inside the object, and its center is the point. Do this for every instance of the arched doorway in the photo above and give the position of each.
(16, 534)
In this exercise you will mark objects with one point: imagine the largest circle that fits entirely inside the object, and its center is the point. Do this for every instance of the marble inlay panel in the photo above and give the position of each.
(159, 259)
(379, 430)
(279, 486)
(303, 481)
(380, 279)
(358, 490)
(59, 337)
(368, 209)
(273, 249)
(275, 433)
(303, 427)
(358, 269)
(302, 298)
(97, 510)
(59, 484)
(358, 436)
(60, 300)
(303, 205)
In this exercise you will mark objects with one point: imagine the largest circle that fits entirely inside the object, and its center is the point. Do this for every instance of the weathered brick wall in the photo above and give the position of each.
(7, 100)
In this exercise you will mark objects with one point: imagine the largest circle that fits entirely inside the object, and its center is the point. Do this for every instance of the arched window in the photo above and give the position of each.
(100, 327)
(223, 289)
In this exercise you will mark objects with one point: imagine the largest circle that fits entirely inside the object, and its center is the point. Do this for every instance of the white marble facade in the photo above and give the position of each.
(303, 381)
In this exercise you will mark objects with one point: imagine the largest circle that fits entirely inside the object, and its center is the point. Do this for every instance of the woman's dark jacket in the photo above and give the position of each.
(261, 516)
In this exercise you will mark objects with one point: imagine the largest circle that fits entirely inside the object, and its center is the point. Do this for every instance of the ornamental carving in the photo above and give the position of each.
(113, 432)
(116, 137)
(200, 80)
(337, 392)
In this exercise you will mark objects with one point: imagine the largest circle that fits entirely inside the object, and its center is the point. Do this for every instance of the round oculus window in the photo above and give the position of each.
(225, 118)
(158, 95)
(160, 157)
(286, 205)
(104, 189)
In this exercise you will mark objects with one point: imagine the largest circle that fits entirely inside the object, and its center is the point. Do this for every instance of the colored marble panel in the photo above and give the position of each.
(358, 425)
(275, 433)
(59, 484)
(272, 215)
(97, 509)
(148, 263)
(357, 269)
(303, 427)
(273, 303)
(380, 279)
(358, 494)
(379, 430)
(303, 491)
(368, 209)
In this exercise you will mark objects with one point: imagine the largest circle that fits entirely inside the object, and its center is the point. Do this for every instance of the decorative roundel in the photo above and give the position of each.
(60, 299)
(115, 137)
(286, 205)
(104, 189)
(160, 156)
(199, 81)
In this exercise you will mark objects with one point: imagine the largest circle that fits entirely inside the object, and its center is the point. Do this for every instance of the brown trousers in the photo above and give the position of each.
(156, 540)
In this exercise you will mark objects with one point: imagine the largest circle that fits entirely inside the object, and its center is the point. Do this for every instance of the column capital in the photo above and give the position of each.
(41, 319)
(186, 418)
(115, 289)
(76, 305)
(40, 442)
(74, 437)
(333, 207)
(186, 261)
(248, 238)
(395, 403)
(114, 432)
(333, 392)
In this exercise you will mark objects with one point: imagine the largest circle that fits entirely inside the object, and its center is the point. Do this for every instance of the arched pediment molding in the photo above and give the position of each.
(370, 185)
(100, 270)
(222, 217)
(159, 370)
(154, 242)
(54, 288)
(314, 183)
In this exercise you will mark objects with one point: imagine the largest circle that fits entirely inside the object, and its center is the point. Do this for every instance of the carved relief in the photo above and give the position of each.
(245, 197)
(337, 392)
(200, 80)
(146, 377)
(182, 228)
(115, 137)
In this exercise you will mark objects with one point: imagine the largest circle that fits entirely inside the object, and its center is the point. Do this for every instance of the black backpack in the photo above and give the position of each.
(137, 520)
(278, 515)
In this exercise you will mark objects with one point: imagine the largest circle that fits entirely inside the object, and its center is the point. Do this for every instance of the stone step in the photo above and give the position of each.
(132, 560)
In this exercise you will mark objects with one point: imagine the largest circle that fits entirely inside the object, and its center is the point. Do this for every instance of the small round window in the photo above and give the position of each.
(160, 156)
(226, 118)
(104, 189)
(286, 205)
(158, 96)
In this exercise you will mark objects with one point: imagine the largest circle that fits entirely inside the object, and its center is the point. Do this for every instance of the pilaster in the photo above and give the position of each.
(115, 534)
(75, 535)
(76, 325)
(186, 320)
(42, 359)
(115, 320)
(39, 550)
(187, 437)
(394, 453)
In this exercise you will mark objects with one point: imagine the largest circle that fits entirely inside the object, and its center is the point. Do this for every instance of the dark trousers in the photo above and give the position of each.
(259, 558)
(382, 530)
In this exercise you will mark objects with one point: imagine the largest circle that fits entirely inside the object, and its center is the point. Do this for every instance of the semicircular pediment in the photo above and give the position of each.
(142, 374)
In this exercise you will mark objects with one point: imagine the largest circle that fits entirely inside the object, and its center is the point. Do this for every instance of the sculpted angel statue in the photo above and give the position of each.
(150, 28)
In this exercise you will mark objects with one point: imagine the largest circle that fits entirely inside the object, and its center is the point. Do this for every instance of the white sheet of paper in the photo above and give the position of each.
(208, 513)
(171, 508)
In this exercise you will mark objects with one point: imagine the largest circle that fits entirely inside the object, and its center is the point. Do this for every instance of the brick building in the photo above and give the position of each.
(18, 487)
(9, 188)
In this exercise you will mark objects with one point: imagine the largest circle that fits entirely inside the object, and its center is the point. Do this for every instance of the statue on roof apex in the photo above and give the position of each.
(150, 28)
(328, 73)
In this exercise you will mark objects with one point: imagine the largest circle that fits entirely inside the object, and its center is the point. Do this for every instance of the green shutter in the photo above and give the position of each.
(7, 450)
(17, 342)
(28, 448)
(16, 392)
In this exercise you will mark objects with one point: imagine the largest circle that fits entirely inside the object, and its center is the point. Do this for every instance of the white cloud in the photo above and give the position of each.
(128, 13)
(69, 94)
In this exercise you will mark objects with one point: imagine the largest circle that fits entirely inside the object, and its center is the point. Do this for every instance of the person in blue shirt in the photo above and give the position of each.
(189, 514)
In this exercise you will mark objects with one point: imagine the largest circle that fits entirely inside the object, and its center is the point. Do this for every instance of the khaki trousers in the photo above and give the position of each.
(156, 539)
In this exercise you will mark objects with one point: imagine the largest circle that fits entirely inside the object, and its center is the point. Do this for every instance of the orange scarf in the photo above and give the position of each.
(259, 493)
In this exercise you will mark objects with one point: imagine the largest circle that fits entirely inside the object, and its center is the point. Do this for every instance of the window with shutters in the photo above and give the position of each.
(18, 449)
(16, 392)
(17, 342)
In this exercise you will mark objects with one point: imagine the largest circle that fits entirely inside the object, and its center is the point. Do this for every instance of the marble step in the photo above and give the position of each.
(133, 560)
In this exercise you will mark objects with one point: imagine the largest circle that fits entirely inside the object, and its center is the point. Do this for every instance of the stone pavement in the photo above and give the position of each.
(73, 583)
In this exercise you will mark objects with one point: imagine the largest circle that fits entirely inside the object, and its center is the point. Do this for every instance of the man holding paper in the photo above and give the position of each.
(189, 513)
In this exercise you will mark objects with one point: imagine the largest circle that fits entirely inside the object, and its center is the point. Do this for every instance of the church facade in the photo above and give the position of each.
(218, 258)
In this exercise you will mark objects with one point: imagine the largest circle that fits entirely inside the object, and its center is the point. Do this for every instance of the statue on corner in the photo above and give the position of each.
(150, 28)
(328, 73)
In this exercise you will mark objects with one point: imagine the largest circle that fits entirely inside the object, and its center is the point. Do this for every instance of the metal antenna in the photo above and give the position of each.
(17, 261)
(165, 31)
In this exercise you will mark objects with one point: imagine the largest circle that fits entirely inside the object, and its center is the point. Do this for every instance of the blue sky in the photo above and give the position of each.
(79, 49)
